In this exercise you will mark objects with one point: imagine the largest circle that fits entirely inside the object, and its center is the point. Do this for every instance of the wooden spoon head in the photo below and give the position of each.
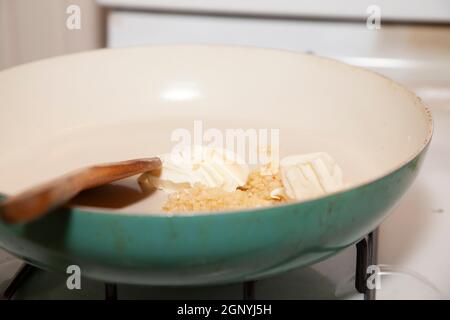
(35, 202)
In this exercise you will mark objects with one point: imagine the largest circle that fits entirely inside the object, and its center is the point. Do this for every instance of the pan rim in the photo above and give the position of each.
(417, 101)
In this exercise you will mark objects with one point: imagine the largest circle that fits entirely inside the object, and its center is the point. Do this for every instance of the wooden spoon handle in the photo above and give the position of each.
(38, 200)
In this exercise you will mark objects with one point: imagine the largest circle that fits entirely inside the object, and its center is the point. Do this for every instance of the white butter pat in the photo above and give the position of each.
(211, 167)
(310, 175)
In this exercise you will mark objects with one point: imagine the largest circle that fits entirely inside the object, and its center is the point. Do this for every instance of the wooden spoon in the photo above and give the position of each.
(37, 201)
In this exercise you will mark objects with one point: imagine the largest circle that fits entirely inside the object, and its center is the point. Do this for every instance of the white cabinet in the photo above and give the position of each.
(419, 52)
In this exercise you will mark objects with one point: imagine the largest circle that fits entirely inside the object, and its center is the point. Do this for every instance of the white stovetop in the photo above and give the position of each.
(415, 237)
(413, 241)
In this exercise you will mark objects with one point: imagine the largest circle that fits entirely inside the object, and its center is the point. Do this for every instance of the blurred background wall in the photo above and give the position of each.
(413, 42)
(36, 29)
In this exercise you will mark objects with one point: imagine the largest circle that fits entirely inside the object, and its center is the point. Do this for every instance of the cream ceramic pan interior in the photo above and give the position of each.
(109, 105)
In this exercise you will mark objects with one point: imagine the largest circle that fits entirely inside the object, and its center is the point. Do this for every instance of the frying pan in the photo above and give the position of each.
(116, 104)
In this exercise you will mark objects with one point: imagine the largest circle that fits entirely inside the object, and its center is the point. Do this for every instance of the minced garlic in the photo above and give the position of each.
(260, 190)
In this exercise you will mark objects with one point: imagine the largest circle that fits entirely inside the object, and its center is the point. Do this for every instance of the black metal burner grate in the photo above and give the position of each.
(366, 253)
